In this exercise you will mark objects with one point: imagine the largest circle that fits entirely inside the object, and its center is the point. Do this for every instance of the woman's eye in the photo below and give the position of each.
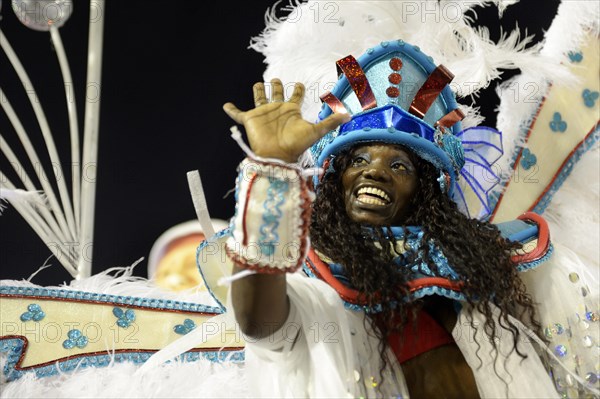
(399, 166)
(359, 161)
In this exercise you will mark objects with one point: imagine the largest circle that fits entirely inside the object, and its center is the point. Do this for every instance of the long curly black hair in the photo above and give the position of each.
(475, 249)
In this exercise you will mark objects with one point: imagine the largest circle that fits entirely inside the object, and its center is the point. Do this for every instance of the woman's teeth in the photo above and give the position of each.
(366, 199)
(373, 196)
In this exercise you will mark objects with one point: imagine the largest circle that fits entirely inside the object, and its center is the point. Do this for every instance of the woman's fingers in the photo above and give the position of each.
(260, 98)
(277, 88)
(330, 123)
(298, 94)
(234, 113)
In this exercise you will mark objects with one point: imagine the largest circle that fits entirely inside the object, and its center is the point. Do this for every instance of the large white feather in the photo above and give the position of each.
(304, 46)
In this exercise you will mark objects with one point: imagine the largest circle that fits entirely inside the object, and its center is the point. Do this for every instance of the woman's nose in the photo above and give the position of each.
(376, 172)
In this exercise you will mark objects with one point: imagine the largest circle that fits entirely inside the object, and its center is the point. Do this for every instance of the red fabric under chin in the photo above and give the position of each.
(419, 337)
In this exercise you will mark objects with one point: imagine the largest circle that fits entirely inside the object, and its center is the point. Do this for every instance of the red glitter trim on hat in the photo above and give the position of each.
(334, 103)
(358, 81)
(450, 118)
(431, 89)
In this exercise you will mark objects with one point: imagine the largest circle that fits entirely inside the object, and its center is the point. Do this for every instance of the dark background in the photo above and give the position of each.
(168, 67)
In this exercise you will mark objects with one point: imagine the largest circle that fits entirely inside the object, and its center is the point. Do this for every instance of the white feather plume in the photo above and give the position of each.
(303, 46)
(201, 379)
(575, 20)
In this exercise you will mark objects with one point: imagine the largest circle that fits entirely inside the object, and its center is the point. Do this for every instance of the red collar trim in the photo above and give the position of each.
(322, 271)
(543, 243)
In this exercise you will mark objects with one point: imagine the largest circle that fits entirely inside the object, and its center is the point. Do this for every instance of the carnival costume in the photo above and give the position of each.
(395, 94)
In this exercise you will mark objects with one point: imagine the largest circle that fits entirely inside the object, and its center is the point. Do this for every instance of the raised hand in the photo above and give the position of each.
(276, 129)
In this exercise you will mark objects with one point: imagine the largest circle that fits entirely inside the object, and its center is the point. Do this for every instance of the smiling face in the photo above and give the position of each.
(379, 184)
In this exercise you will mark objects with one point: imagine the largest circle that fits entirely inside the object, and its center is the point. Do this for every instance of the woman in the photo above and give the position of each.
(385, 234)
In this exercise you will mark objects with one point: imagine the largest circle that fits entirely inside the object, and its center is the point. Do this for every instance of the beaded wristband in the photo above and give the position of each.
(270, 225)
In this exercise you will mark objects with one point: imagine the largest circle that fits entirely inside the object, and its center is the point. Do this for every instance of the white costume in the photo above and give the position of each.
(335, 355)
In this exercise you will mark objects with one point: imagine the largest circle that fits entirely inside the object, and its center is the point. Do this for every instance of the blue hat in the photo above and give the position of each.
(397, 95)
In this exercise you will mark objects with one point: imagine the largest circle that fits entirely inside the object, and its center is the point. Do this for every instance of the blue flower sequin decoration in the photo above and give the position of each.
(76, 339)
(34, 312)
(557, 124)
(124, 318)
(590, 97)
(454, 148)
(575, 56)
(528, 159)
(187, 326)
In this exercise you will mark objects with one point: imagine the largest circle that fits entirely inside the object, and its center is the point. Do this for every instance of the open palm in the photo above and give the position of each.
(276, 129)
